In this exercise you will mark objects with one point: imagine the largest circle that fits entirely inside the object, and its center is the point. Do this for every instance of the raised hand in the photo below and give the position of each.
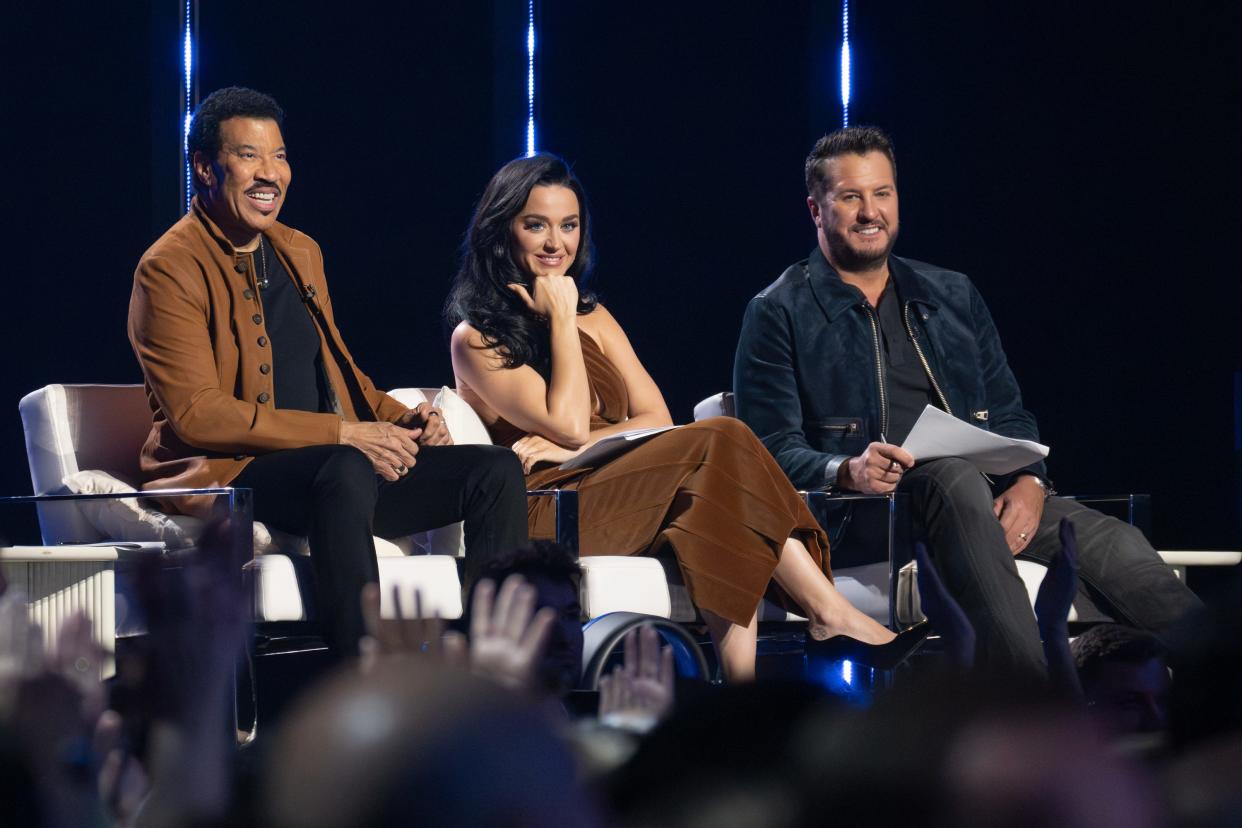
(198, 616)
(638, 694)
(389, 447)
(78, 658)
(946, 615)
(21, 645)
(553, 297)
(1052, 606)
(404, 635)
(507, 636)
(122, 781)
(877, 470)
(1060, 584)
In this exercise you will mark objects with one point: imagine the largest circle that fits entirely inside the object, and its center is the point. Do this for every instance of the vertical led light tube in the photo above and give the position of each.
(845, 62)
(530, 78)
(187, 104)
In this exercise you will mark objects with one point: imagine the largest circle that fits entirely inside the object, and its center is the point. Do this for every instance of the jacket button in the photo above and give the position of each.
(258, 320)
(239, 457)
(247, 294)
(263, 342)
(241, 267)
(265, 368)
(264, 397)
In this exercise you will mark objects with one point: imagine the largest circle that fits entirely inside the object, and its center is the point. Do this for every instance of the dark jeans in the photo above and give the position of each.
(952, 505)
(332, 495)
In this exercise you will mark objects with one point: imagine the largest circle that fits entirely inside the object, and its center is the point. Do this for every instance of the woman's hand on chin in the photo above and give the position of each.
(550, 296)
(533, 449)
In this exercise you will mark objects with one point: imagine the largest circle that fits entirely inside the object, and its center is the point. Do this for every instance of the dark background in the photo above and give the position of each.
(1076, 159)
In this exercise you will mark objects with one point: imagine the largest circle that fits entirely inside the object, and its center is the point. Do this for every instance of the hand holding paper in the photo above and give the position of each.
(937, 434)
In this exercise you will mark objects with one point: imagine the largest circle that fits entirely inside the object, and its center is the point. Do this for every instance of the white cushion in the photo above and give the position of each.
(277, 593)
(909, 607)
(409, 397)
(464, 424)
(124, 517)
(614, 583)
(717, 405)
(1032, 576)
(278, 589)
(434, 576)
(73, 427)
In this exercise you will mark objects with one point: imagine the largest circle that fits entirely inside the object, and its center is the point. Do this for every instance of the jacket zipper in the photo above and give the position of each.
(918, 349)
(879, 368)
(849, 428)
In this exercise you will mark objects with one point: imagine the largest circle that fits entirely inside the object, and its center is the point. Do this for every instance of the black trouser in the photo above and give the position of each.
(952, 506)
(332, 495)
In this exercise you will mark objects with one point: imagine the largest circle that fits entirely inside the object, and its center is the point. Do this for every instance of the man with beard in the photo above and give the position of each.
(839, 356)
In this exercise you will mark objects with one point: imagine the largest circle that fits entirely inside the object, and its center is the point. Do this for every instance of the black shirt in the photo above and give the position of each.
(908, 388)
(297, 369)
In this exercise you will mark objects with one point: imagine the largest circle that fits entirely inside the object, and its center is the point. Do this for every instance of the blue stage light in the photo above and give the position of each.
(530, 78)
(187, 58)
(845, 62)
(847, 672)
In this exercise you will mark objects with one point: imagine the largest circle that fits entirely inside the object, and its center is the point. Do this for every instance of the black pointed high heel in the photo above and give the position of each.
(878, 656)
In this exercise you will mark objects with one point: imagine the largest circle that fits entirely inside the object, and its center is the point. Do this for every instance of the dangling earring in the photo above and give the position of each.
(498, 250)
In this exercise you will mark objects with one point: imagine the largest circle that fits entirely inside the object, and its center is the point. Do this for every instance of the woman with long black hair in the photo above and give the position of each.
(551, 372)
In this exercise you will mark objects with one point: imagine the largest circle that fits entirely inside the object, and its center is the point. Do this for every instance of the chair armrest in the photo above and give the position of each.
(566, 503)
(1134, 509)
(233, 504)
(881, 532)
(1200, 557)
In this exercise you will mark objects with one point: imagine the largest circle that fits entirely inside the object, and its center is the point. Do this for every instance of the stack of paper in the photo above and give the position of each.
(611, 446)
(937, 434)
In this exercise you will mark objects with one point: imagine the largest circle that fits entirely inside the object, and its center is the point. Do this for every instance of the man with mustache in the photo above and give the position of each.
(839, 356)
(251, 385)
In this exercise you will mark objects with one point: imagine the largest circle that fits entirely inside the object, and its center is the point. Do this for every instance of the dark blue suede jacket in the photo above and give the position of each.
(808, 378)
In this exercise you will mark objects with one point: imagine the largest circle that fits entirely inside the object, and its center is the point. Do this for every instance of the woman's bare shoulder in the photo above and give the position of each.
(601, 326)
(466, 334)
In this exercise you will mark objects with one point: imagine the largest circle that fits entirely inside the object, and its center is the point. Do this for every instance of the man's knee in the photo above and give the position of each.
(950, 478)
(499, 469)
(347, 474)
(1096, 531)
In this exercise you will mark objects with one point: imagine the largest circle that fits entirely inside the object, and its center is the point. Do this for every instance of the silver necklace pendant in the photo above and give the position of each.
(262, 280)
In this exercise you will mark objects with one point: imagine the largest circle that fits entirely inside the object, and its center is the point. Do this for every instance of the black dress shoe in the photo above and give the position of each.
(878, 656)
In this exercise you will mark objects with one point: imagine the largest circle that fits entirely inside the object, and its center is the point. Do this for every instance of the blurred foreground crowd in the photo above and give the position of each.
(477, 726)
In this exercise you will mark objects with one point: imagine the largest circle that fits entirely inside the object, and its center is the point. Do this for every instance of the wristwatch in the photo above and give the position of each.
(1045, 485)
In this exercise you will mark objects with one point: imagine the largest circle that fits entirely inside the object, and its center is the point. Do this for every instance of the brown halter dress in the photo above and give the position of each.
(709, 492)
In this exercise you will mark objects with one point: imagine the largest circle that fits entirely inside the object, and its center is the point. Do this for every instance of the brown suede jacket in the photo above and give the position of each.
(196, 323)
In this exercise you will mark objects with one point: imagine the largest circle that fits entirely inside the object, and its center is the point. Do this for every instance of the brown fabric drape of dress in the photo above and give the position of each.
(709, 492)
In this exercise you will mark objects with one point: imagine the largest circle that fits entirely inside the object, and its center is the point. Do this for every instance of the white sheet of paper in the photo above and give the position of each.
(611, 446)
(937, 434)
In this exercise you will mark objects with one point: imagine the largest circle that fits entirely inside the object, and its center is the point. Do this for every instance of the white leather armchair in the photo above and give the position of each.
(904, 587)
(87, 439)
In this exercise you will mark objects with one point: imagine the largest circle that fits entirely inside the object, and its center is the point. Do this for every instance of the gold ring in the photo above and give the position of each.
(1022, 535)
